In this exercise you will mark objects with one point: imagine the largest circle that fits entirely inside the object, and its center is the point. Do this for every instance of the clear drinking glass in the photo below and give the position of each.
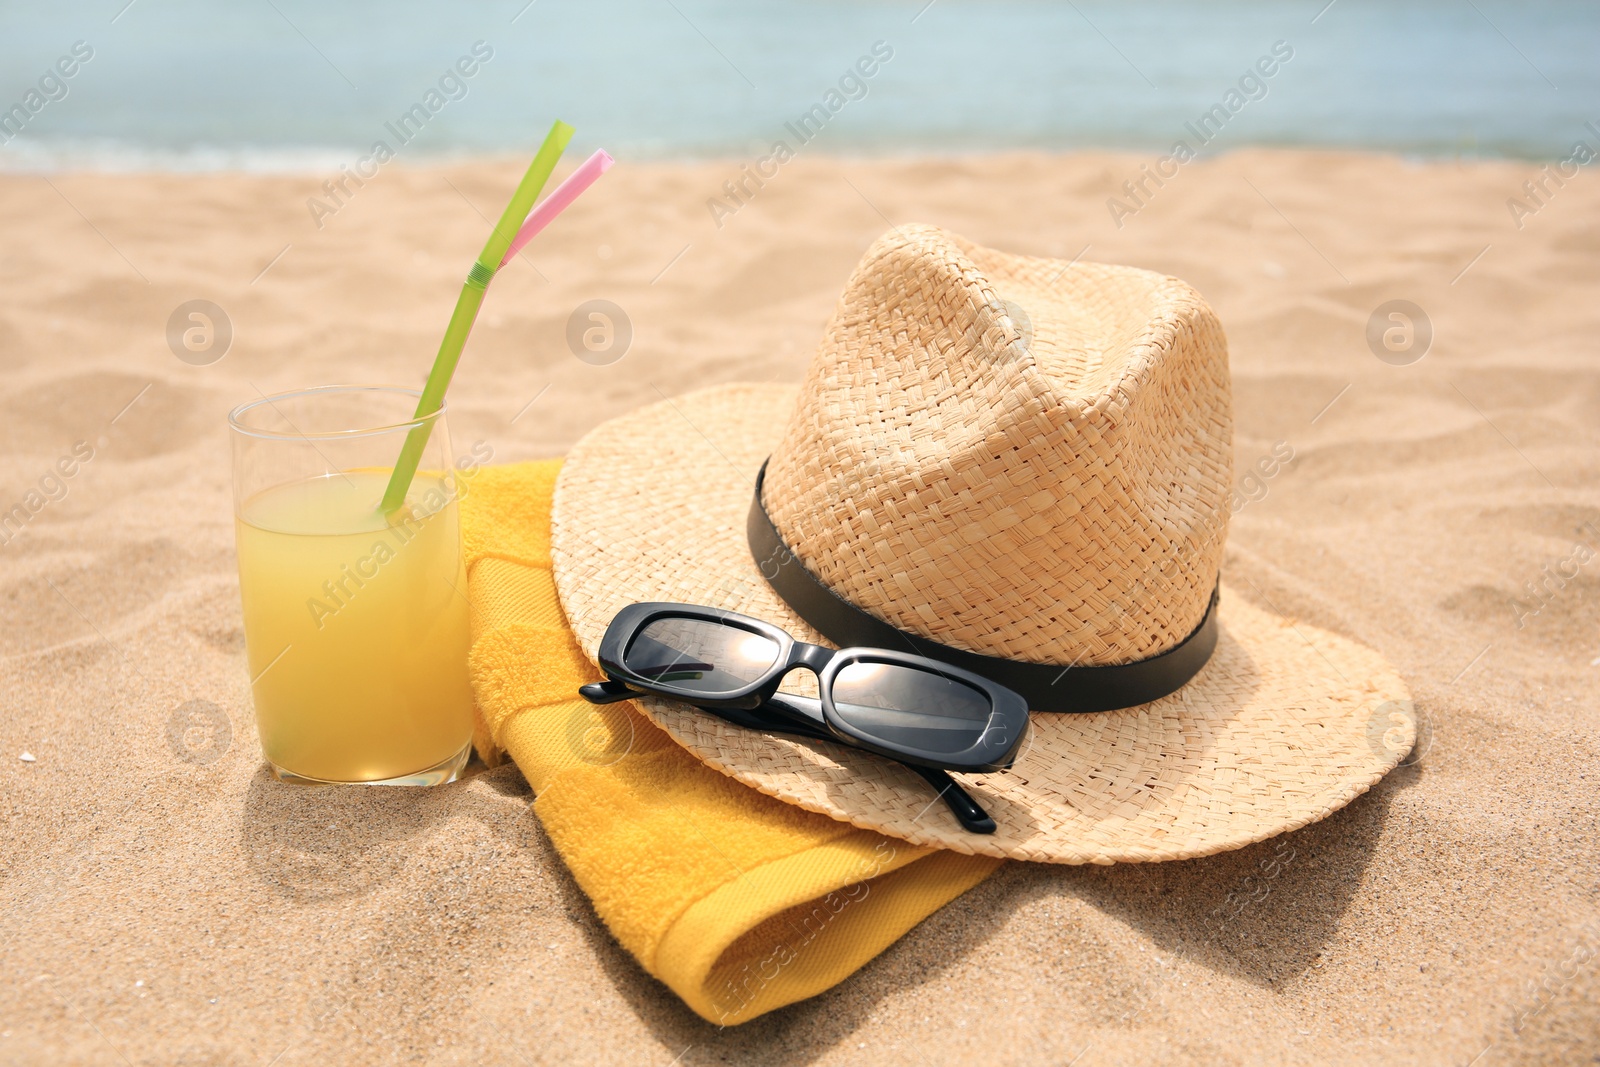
(355, 620)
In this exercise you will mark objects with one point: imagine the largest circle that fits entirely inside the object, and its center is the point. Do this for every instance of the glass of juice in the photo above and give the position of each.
(355, 620)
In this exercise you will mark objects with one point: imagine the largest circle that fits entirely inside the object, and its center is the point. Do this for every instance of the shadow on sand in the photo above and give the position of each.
(1261, 914)
(319, 843)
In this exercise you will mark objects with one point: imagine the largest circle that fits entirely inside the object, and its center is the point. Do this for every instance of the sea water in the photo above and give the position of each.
(304, 85)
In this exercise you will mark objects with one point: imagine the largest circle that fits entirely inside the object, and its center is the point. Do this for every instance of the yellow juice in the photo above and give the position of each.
(356, 626)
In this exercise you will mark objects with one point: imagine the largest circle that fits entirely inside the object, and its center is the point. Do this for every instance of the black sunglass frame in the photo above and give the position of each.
(997, 744)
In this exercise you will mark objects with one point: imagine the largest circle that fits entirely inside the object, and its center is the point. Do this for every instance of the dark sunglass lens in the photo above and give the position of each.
(699, 656)
(910, 707)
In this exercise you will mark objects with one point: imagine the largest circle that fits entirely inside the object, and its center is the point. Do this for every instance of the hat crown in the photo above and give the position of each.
(1016, 456)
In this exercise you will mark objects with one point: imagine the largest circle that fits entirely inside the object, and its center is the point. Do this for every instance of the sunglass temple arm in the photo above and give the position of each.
(972, 818)
(607, 692)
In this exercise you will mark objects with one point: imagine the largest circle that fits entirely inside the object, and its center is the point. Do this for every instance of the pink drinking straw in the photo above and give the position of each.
(557, 202)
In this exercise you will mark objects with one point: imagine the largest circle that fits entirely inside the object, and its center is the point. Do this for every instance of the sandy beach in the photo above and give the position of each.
(165, 901)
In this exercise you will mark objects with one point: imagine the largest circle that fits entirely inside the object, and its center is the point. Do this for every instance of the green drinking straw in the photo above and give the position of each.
(466, 312)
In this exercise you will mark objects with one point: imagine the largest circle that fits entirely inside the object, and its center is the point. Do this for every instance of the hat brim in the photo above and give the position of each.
(1285, 724)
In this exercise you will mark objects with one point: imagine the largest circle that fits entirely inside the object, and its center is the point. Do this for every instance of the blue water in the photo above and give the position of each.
(268, 83)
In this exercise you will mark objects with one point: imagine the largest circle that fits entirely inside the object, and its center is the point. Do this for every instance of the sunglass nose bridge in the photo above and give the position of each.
(814, 657)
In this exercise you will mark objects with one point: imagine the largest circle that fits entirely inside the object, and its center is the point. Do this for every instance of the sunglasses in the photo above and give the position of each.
(920, 712)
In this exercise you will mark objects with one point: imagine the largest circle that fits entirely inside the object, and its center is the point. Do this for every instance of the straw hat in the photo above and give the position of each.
(1020, 458)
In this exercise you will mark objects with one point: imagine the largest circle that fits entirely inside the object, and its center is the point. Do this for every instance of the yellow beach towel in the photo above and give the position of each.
(738, 902)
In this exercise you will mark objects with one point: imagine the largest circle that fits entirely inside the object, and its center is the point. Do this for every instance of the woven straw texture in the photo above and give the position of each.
(1286, 724)
(1024, 458)
(981, 429)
